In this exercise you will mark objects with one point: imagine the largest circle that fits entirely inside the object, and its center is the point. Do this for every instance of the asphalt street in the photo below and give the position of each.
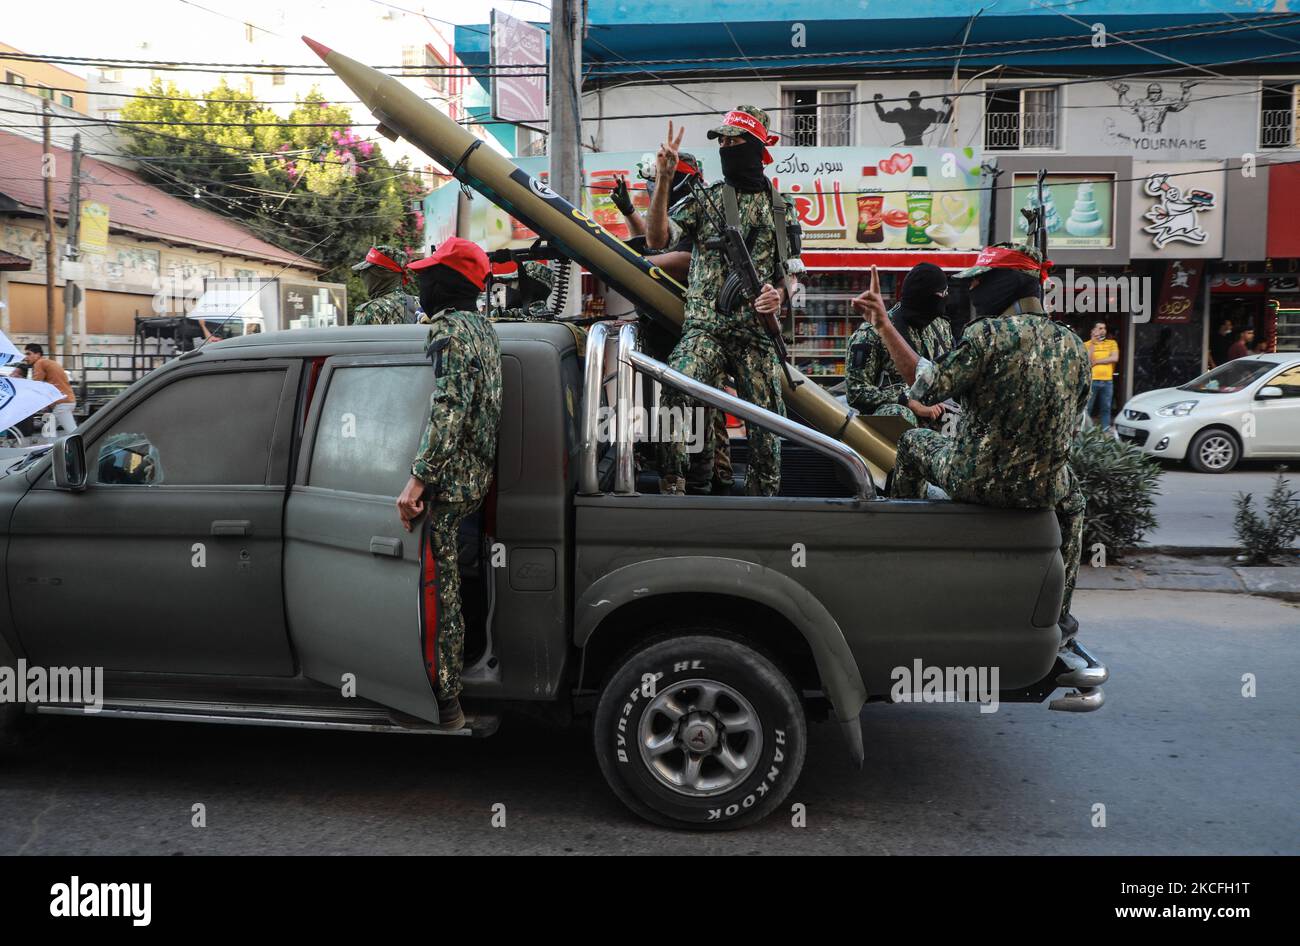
(1196, 509)
(1181, 761)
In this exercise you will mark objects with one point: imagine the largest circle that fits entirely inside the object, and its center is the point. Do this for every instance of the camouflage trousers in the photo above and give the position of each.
(709, 356)
(927, 456)
(444, 655)
(712, 464)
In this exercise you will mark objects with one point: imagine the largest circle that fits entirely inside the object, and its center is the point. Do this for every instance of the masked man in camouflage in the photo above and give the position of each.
(713, 343)
(457, 456)
(527, 289)
(874, 384)
(1022, 381)
(383, 273)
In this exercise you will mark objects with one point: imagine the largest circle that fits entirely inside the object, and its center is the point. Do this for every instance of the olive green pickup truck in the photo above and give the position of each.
(222, 540)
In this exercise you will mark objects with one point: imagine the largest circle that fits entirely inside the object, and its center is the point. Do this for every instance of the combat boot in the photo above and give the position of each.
(450, 715)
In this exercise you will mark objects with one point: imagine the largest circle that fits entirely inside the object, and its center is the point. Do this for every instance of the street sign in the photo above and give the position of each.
(518, 53)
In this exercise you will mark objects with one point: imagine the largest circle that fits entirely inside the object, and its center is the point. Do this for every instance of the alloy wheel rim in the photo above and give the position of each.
(1216, 452)
(700, 737)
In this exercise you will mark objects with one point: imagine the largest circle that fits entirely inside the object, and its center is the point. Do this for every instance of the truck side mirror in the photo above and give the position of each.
(70, 463)
(1268, 391)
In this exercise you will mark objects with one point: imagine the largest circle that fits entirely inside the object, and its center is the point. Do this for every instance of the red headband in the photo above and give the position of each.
(684, 168)
(739, 119)
(379, 259)
(1001, 257)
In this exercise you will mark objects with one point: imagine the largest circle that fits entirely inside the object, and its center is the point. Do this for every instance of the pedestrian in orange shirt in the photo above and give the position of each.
(51, 372)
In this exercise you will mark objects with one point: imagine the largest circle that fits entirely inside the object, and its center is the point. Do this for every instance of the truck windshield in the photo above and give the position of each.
(1233, 376)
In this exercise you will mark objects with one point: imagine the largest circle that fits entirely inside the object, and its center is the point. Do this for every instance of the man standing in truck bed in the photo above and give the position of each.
(457, 454)
(714, 342)
(1022, 380)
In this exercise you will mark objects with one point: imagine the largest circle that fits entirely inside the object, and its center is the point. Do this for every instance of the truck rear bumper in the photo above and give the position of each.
(1076, 669)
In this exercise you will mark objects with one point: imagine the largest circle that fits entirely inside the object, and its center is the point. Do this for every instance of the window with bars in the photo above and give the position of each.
(1022, 119)
(1278, 114)
(816, 118)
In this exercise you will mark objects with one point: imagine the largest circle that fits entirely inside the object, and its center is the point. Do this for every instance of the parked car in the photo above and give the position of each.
(1247, 408)
(223, 540)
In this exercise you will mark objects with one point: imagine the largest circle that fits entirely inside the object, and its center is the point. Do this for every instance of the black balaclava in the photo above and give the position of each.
(742, 164)
(379, 281)
(999, 288)
(441, 287)
(921, 301)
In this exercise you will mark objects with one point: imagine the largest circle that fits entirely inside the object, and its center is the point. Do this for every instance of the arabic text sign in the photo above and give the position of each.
(844, 198)
(519, 70)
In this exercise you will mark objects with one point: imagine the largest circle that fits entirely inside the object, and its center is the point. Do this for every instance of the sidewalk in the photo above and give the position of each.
(1154, 571)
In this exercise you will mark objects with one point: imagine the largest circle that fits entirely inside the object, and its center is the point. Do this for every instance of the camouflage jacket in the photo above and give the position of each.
(870, 375)
(457, 455)
(688, 219)
(1022, 380)
(388, 309)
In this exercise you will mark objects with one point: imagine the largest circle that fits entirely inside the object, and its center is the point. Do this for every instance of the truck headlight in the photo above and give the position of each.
(1179, 409)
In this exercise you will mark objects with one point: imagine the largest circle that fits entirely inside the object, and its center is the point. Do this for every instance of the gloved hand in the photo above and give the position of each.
(621, 198)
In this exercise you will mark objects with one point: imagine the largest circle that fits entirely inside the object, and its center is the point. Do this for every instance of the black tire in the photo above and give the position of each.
(675, 666)
(1214, 450)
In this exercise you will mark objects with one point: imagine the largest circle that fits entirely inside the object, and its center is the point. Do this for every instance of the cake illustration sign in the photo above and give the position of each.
(1087, 201)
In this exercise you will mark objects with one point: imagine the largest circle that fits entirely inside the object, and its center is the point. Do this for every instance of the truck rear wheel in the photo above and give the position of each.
(700, 731)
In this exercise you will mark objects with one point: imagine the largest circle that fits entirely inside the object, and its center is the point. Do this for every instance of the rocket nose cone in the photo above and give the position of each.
(320, 49)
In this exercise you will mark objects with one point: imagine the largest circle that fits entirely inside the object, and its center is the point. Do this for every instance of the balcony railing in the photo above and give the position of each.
(1012, 131)
(1276, 128)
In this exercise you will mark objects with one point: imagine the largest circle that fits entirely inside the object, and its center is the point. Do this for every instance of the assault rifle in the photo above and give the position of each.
(743, 284)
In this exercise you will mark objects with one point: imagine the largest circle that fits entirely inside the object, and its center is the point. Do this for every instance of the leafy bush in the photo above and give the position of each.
(1121, 483)
(1263, 539)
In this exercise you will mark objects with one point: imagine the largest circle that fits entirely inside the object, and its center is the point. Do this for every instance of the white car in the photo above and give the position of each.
(1248, 408)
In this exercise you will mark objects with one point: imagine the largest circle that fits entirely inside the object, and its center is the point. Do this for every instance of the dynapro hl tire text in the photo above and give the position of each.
(700, 731)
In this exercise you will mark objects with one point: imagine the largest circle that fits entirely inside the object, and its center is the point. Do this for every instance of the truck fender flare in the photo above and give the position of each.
(736, 579)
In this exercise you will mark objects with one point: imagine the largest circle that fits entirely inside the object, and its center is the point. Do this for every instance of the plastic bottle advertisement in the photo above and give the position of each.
(845, 198)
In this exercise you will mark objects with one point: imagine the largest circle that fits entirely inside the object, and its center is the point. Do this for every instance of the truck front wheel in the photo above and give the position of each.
(700, 731)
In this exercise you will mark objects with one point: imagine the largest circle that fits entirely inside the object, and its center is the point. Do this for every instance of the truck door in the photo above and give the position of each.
(170, 560)
(352, 574)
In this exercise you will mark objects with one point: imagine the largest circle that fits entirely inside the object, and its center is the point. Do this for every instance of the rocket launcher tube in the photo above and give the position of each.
(570, 230)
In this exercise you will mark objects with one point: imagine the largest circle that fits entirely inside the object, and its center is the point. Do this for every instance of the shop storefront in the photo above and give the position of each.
(858, 207)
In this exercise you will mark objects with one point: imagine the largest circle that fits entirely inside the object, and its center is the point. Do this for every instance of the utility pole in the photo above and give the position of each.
(47, 172)
(564, 143)
(72, 251)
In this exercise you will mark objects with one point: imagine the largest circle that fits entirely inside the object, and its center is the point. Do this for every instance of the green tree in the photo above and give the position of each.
(307, 182)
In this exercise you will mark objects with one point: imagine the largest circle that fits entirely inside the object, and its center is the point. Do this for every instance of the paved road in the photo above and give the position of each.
(1182, 762)
(1196, 509)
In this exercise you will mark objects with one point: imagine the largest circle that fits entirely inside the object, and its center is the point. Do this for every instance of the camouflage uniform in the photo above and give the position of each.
(873, 382)
(456, 461)
(537, 310)
(1022, 380)
(714, 344)
(391, 308)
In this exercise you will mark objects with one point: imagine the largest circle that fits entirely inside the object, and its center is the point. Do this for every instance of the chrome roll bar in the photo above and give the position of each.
(842, 453)
(628, 361)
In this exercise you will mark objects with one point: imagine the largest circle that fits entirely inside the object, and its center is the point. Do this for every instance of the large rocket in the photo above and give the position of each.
(402, 113)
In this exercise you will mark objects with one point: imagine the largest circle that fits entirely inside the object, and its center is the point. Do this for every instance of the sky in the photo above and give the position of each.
(179, 30)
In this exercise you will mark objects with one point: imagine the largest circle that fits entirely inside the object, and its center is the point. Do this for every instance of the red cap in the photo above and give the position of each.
(464, 256)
